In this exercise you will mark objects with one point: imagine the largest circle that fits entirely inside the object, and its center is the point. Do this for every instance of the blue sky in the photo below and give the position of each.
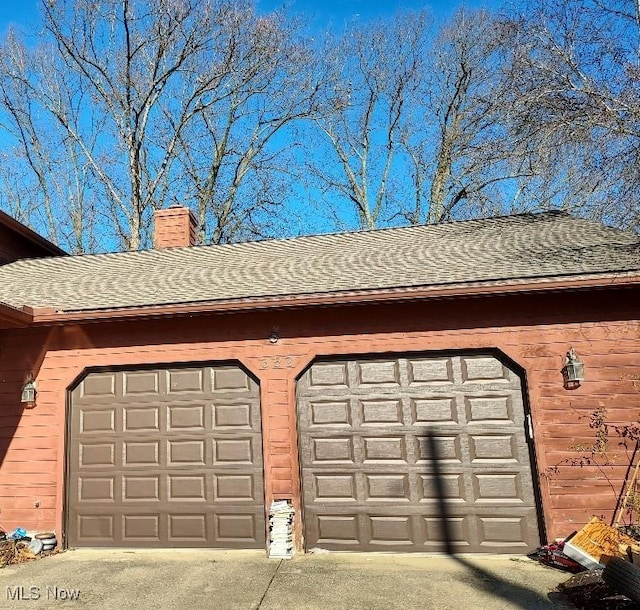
(324, 13)
(337, 12)
(17, 13)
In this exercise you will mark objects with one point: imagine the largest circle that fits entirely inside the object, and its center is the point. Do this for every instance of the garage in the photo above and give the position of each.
(382, 380)
(422, 453)
(165, 457)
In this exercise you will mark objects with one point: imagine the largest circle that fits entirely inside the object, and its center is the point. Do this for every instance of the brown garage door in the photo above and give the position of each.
(404, 454)
(166, 458)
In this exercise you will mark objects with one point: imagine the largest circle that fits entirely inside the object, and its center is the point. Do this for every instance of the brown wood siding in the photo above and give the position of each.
(534, 331)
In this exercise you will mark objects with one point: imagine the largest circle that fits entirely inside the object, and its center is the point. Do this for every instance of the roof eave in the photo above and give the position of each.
(51, 317)
(12, 317)
(32, 236)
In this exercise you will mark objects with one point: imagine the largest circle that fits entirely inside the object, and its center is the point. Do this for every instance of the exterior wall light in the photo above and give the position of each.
(29, 393)
(274, 337)
(572, 371)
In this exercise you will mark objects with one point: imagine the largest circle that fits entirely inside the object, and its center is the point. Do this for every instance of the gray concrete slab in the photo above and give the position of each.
(123, 580)
(168, 579)
(346, 581)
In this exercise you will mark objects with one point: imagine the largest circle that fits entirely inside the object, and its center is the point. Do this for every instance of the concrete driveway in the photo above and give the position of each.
(191, 579)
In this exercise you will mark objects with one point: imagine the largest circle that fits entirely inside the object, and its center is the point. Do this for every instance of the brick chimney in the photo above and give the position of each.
(175, 227)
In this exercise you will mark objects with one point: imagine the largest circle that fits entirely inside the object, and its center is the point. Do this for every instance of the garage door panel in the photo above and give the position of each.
(386, 487)
(330, 450)
(376, 373)
(229, 417)
(497, 487)
(334, 487)
(171, 460)
(456, 530)
(230, 380)
(98, 422)
(433, 410)
(95, 528)
(381, 412)
(236, 488)
(446, 447)
(137, 419)
(436, 487)
(483, 369)
(326, 375)
(502, 528)
(485, 408)
(433, 372)
(186, 487)
(186, 417)
(389, 445)
(137, 383)
(144, 528)
(95, 455)
(191, 528)
(495, 448)
(141, 487)
(139, 453)
(330, 415)
(97, 489)
(390, 530)
(99, 385)
(383, 449)
(186, 381)
(335, 530)
(237, 529)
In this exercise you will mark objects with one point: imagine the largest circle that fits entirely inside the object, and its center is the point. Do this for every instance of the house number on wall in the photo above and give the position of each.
(277, 362)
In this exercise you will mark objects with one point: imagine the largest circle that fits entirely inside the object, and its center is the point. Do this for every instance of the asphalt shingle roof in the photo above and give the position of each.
(547, 245)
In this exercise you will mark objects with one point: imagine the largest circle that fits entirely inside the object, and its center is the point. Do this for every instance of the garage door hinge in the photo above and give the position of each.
(529, 426)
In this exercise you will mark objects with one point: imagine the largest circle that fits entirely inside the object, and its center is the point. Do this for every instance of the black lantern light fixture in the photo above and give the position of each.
(29, 393)
(572, 371)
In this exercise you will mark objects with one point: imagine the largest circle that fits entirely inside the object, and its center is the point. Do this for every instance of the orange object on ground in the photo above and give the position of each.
(601, 541)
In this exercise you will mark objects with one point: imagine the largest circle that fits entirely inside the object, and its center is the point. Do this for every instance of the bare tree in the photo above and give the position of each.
(372, 71)
(574, 104)
(41, 167)
(414, 127)
(123, 106)
(464, 162)
(237, 153)
(157, 102)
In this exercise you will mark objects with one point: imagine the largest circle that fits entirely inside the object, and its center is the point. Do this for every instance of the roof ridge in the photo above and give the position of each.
(315, 236)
